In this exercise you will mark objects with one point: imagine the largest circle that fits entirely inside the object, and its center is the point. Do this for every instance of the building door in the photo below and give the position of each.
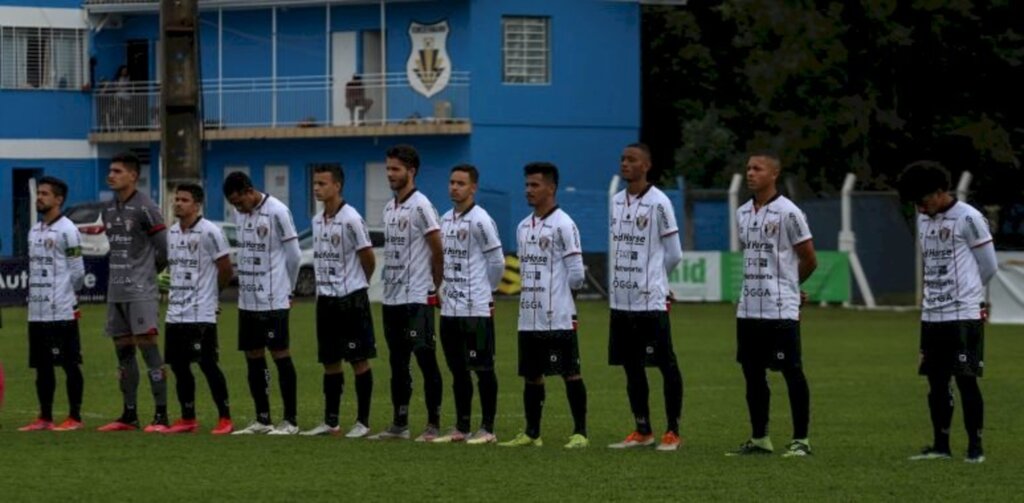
(137, 59)
(22, 207)
(343, 67)
(377, 194)
(372, 66)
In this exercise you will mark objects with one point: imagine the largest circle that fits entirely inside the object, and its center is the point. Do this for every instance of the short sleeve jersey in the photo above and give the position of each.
(263, 281)
(192, 256)
(639, 225)
(337, 239)
(51, 296)
(407, 264)
(952, 281)
(132, 253)
(771, 268)
(467, 238)
(545, 301)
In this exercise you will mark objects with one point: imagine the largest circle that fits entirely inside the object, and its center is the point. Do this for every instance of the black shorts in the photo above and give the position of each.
(773, 344)
(468, 342)
(344, 328)
(263, 329)
(556, 352)
(640, 337)
(191, 342)
(409, 327)
(953, 348)
(54, 343)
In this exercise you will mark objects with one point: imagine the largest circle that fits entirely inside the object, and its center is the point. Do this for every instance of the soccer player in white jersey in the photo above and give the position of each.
(473, 266)
(268, 265)
(56, 272)
(778, 255)
(412, 273)
(200, 267)
(959, 260)
(645, 248)
(343, 261)
(551, 267)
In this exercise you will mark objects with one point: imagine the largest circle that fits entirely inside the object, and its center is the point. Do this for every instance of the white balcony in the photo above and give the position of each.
(290, 107)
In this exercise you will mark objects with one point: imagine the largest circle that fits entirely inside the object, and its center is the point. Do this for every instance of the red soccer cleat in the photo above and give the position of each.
(183, 426)
(69, 424)
(224, 427)
(38, 424)
(119, 426)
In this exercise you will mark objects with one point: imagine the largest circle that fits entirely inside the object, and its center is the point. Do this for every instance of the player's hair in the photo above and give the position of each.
(469, 169)
(59, 188)
(237, 182)
(641, 147)
(192, 188)
(335, 169)
(128, 160)
(920, 179)
(546, 169)
(407, 155)
(771, 155)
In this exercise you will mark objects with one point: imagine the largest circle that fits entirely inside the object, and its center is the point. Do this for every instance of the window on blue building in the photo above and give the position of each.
(41, 58)
(526, 49)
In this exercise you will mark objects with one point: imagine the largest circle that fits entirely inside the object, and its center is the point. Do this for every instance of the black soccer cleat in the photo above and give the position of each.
(930, 453)
(975, 455)
(752, 448)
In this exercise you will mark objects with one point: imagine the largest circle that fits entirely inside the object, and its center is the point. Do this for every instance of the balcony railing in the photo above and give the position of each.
(289, 102)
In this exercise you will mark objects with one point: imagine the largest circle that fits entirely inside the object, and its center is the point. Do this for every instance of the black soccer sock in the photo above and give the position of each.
(758, 399)
(288, 381)
(487, 382)
(157, 377)
(462, 389)
(76, 388)
(940, 404)
(799, 400)
(401, 385)
(185, 385)
(128, 380)
(259, 387)
(673, 389)
(364, 393)
(974, 408)
(46, 386)
(638, 390)
(576, 392)
(432, 386)
(334, 385)
(533, 403)
(218, 387)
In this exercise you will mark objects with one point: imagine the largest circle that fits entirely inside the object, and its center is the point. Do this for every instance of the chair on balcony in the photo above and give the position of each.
(356, 101)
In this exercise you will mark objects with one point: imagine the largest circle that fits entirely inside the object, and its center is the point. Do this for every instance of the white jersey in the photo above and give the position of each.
(263, 281)
(52, 249)
(336, 242)
(192, 257)
(952, 282)
(407, 261)
(545, 301)
(639, 223)
(467, 238)
(771, 268)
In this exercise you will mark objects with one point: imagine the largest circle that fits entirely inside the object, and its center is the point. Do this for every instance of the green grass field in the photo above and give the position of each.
(868, 414)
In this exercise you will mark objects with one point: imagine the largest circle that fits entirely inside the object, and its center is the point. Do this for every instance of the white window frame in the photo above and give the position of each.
(61, 57)
(517, 59)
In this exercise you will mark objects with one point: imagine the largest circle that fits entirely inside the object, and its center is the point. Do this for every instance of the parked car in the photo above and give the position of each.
(306, 284)
(88, 217)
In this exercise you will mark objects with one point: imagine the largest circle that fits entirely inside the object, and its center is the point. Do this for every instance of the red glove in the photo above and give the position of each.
(984, 312)
(432, 299)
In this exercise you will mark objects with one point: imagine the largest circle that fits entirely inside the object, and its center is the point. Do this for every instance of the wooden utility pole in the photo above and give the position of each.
(180, 115)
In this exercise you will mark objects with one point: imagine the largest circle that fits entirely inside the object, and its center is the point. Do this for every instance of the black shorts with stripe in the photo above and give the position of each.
(555, 352)
(54, 343)
(952, 348)
(772, 344)
(409, 327)
(263, 330)
(344, 328)
(640, 338)
(191, 342)
(468, 342)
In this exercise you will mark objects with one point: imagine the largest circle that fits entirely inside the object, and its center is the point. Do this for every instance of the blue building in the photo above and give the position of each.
(289, 84)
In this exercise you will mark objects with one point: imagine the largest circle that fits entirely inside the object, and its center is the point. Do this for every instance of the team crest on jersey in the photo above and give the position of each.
(48, 243)
(642, 221)
(771, 228)
(335, 239)
(403, 223)
(128, 224)
(544, 243)
(262, 231)
(462, 234)
(944, 233)
(193, 246)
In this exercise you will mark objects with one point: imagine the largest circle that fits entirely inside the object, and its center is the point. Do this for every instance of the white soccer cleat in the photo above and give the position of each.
(321, 430)
(284, 428)
(451, 437)
(255, 428)
(392, 433)
(359, 430)
(429, 434)
(482, 437)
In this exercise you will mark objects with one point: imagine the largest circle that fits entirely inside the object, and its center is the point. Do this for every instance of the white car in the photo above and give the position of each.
(88, 217)
(306, 285)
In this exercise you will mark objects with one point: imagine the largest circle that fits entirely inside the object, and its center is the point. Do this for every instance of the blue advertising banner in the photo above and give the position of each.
(14, 281)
